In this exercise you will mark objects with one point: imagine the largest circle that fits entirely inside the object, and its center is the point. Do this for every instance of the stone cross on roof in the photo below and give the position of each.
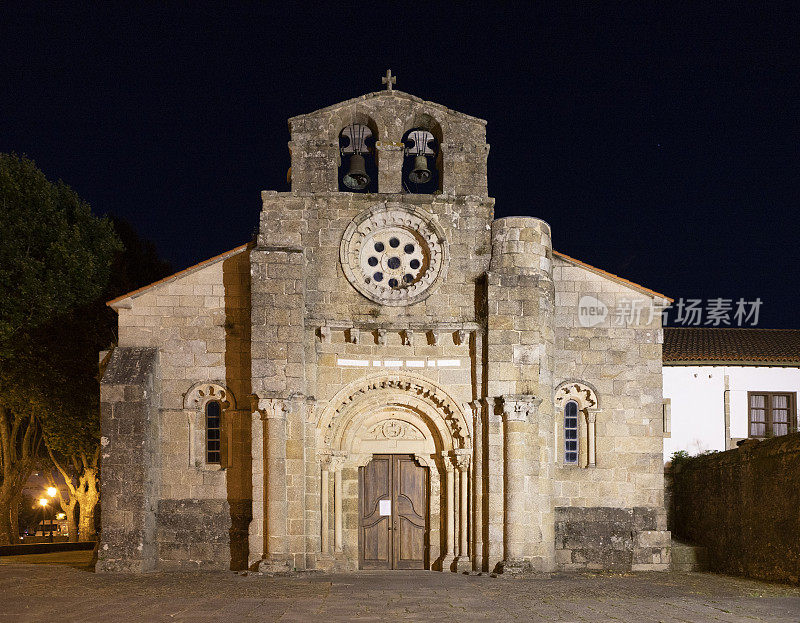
(389, 79)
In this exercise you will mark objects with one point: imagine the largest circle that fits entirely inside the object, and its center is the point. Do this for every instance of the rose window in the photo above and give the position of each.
(393, 255)
(393, 258)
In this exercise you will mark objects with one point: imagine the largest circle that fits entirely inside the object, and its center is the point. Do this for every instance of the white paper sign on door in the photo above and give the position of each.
(385, 508)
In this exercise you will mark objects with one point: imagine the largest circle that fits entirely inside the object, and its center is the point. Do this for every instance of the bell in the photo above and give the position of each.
(421, 173)
(356, 178)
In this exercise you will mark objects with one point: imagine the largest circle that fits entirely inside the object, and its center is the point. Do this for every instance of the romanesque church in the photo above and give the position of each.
(387, 377)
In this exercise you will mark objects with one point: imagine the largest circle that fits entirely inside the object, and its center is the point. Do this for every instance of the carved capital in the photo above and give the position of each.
(408, 337)
(381, 337)
(461, 460)
(519, 407)
(310, 409)
(591, 417)
(325, 334)
(273, 408)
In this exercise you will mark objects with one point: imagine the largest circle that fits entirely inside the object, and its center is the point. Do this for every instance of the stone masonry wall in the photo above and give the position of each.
(618, 539)
(623, 364)
(742, 506)
(129, 475)
(200, 324)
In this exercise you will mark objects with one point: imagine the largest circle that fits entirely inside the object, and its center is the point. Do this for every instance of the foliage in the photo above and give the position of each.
(679, 456)
(54, 255)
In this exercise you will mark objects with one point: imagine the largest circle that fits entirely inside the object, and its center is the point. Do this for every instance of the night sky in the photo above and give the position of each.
(660, 146)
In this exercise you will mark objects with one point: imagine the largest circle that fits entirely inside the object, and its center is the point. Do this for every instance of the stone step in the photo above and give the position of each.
(686, 557)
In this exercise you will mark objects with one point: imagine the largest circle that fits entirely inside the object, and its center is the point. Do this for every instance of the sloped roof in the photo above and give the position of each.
(393, 94)
(612, 276)
(121, 300)
(732, 346)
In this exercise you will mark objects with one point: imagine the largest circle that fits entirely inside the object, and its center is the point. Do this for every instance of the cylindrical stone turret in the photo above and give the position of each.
(521, 341)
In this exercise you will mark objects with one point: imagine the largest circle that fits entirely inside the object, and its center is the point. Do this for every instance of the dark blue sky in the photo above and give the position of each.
(660, 144)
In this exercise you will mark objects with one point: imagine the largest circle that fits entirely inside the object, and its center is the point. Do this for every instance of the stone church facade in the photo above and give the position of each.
(384, 379)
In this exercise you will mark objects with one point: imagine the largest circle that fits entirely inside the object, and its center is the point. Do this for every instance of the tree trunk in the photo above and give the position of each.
(15, 502)
(86, 528)
(6, 532)
(20, 437)
(88, 497)
(72, 527)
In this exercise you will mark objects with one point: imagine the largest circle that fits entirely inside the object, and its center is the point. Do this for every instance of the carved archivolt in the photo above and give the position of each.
(580, 392)
(201, 393)
(406, 391)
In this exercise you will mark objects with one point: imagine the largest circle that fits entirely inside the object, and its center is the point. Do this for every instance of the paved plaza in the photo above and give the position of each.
(67, 592)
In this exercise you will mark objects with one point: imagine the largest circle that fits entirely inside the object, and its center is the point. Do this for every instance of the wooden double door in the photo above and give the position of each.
(393, 513)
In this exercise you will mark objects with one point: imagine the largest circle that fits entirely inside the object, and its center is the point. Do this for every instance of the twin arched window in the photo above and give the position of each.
(358, 171)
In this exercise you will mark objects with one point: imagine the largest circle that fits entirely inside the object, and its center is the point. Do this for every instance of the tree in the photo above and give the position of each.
(55, 257)
(72, 430)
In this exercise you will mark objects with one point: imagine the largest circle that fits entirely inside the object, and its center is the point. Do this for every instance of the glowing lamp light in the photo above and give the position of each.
(51, 491)
(43, 502)
(61, 516)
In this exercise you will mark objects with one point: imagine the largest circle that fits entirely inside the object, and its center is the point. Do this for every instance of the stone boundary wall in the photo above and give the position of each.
(743, 505)
(619, 539)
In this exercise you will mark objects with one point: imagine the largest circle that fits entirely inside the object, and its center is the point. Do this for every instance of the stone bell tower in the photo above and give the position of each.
(384, 287)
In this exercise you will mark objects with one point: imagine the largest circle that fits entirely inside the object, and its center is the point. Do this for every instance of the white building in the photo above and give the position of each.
(723, 385)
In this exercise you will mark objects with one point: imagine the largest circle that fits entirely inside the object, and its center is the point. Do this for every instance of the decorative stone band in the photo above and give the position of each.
(519, 407)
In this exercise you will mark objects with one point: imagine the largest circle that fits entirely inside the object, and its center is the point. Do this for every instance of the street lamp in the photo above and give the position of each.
(43, 503)
(51, 491)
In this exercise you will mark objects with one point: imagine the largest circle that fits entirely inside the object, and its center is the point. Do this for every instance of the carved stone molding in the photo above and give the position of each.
(394, 429)
(461, 459)
(415, 387)
(270, 408)
(201, 393)
(519, 407)
(579, 391)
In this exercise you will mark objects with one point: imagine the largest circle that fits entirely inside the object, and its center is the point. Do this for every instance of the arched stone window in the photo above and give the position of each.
(358, 171)
(208, 408)
(577, 406)
(571, 432)
(213, 432)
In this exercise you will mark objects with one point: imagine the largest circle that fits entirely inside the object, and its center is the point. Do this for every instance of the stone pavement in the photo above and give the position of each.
(62, 593)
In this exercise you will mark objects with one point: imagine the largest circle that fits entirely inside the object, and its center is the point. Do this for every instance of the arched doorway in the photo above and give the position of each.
(400, 442)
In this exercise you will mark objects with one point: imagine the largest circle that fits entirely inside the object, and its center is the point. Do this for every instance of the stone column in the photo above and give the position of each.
(277, 558)
(325, 500)
(591, 418)
(256, 534)
(450, 503)
(517, 409)
(337, 503)
(463, 562)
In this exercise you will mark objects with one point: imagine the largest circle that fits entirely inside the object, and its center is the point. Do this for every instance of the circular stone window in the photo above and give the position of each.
(393, 254)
